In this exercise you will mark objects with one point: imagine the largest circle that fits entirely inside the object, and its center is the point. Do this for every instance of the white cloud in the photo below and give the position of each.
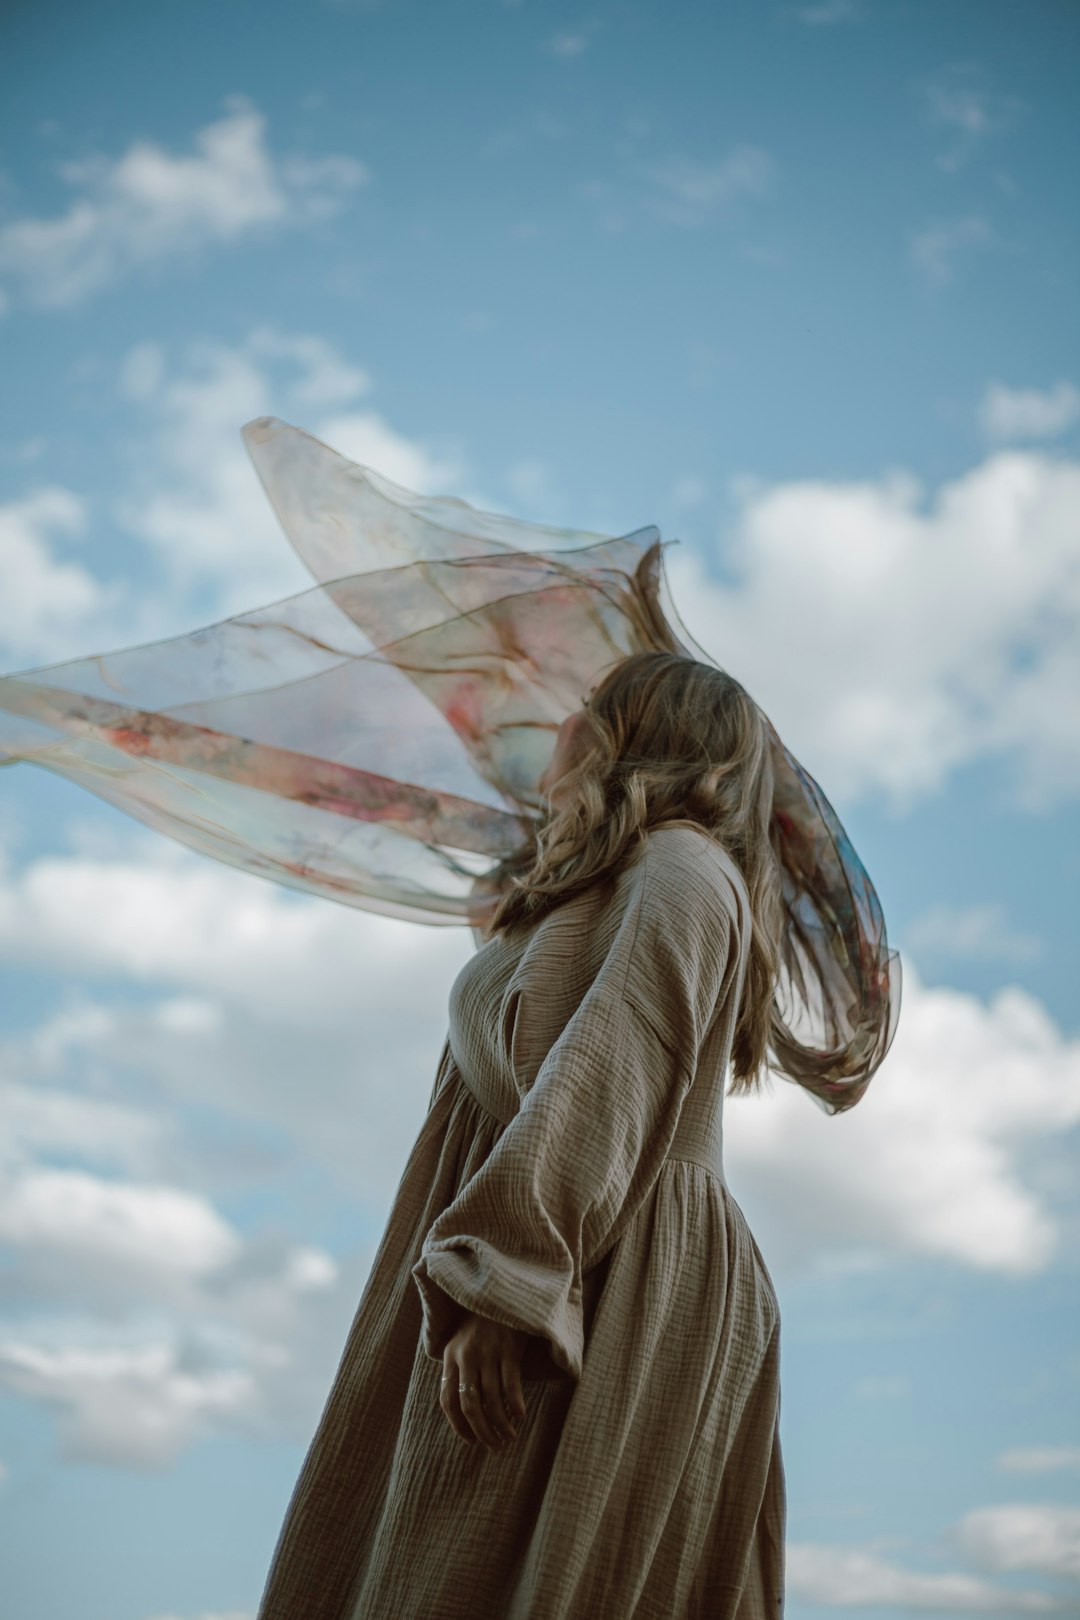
(255, 986)
(137, 1375)
(199, 504)
(176, 1323)
(41, 1119)
(91, 1220)
(367, 437)
(1041, 1537)
(46, 600)
(194, 498)
(934, 1162)
(317, 187)
(906, 638)
(326, 379)
(165, 916)
(680, 190)
(1039, 1459)
(218, 1614)
(935, 249)
(882, 1387)
(856, 1578)
(134, 1407)
(827, 13)
(147, 1360)
(142, 371)
(978, 933)
(179, 1324)
(689, 192)
(191, 496)
(1007, 414)
(568, 44)
(150, 205)
(959, 99)
(24, 451)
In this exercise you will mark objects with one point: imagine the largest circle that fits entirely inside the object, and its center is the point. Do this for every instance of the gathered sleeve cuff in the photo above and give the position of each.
(469, 1273)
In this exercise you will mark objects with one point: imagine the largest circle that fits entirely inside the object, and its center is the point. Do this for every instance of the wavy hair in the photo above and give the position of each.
(670, 740)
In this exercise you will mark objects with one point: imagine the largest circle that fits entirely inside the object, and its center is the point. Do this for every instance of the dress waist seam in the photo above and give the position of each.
(704, 1160)
(702, 1163)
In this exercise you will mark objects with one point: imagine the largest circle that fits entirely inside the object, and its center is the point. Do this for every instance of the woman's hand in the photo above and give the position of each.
(488, 1355)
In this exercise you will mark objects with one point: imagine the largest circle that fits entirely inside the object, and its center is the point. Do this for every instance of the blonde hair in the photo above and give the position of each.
(670, 739)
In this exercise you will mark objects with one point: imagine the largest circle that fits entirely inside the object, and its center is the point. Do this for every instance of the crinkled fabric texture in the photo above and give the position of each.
(568, 1179)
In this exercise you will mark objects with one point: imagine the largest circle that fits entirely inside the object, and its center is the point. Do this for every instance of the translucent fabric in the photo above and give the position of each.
(378, 739)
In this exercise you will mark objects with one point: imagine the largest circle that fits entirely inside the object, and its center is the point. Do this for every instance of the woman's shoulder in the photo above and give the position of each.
(685, 921)
(685, 851)
(681, 879)
(677, 873)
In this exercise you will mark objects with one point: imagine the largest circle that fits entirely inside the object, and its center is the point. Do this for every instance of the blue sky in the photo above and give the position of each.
(796, 282)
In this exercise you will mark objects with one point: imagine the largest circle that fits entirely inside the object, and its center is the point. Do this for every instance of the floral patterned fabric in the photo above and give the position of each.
(378, 739)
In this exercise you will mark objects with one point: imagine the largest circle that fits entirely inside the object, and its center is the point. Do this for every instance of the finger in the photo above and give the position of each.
(491, 1388)
(448, 1400)
(472, 1404)
(513, 1393)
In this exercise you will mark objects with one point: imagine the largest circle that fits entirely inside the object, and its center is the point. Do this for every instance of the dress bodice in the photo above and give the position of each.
(513, 998)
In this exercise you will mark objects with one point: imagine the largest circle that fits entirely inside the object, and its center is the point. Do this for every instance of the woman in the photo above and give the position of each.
(560, 1394)
(670, 896)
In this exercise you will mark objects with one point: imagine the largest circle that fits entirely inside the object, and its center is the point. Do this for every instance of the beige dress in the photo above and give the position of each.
(568, 1180)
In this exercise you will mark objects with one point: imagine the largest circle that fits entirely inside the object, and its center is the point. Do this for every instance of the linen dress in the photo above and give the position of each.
(567, 1180)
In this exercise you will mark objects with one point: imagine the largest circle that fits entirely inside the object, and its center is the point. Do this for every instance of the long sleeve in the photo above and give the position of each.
(572, 1166)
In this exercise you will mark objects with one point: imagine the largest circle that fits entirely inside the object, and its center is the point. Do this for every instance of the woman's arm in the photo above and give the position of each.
(569, 1171)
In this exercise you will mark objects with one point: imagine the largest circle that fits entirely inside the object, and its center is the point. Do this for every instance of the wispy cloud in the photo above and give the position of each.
(827, 13)
(934, 250)
(1041, 1537)
(197, 501)
(218, 1614)
(49, 598)
(149, 205)
(861, 1579)
(133, 1308)
(959, 100)
(1028, 413)
(972, 933)
(681, 190)
(1039, 1459)
(568, 44)
(691, 192)
(188, 497)
(936, 1167)
(883, 1387)
(958, 608)
(138, 1313)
